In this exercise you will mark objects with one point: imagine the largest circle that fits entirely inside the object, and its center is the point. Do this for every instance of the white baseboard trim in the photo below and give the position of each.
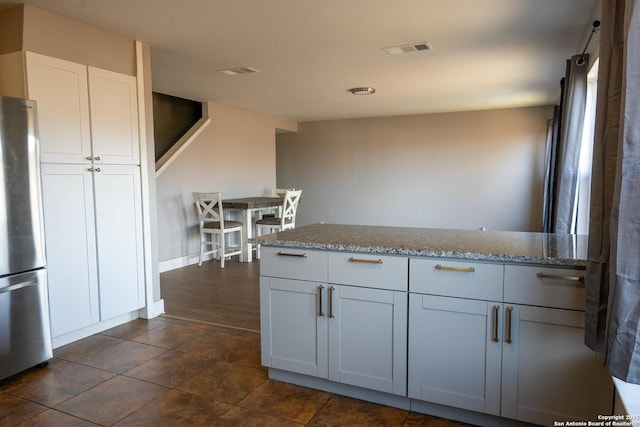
(172, 264)
(96, 328)
(154, 310)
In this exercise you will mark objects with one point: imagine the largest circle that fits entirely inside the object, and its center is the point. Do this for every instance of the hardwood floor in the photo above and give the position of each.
(229, 296)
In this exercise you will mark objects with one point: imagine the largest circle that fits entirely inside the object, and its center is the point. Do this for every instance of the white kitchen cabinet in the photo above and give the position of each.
(92, 202)
(352, 335)
(118, 210)
(85, 114)
(114, 117)
(69, 219)
(62, 93)
(93, 232)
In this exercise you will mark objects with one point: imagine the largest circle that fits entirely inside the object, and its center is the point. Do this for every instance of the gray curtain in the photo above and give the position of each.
(613, 261)
(563, 157)
(550, 170)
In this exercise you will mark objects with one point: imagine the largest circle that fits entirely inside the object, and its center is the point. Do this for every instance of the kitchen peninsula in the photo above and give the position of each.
(485, 327)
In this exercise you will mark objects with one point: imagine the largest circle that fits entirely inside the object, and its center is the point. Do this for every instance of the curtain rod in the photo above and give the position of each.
(596, 25)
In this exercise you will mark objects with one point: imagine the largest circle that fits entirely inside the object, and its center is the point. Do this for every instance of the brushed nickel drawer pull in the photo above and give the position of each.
(559, 276)
(303, 255)
(496, 309)
(460, 269)
(508, 320)
(368, 261)
(320, 312)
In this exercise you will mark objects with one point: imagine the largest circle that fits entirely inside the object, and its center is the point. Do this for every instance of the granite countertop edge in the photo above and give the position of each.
(497, 258)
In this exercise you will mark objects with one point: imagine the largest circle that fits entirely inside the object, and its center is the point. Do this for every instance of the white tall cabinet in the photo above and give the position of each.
(88, 130)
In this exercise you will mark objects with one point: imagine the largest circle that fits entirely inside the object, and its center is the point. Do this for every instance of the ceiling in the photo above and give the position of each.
(486, 54)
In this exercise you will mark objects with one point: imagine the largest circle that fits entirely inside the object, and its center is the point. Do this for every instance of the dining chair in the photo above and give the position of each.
(286, 220)
(277, 192)
(214, 228)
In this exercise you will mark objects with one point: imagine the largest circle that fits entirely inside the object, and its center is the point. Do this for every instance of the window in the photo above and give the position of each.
(586, 154)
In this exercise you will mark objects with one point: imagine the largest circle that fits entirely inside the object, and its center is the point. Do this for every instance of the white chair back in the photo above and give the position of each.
(289, 209)
(209, 208)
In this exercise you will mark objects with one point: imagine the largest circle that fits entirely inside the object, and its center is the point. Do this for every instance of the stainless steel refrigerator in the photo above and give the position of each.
(25, 337)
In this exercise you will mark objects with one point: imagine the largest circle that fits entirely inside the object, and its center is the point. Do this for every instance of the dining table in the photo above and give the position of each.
(249, 206)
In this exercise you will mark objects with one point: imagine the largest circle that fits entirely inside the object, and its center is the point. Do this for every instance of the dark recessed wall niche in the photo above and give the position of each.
(172, 117)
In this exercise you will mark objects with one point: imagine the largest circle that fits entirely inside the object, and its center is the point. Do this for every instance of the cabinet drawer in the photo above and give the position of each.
(544, 286)
(462, 279)
(289, 263)
(369, 270)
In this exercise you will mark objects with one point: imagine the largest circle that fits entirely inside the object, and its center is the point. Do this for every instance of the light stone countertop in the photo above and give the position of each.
(493, 246)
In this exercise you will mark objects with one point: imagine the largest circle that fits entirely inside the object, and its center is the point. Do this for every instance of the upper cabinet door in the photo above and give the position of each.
(60, 89)
(114, 117)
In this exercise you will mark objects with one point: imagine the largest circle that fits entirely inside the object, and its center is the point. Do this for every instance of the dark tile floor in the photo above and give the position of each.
(171, 372)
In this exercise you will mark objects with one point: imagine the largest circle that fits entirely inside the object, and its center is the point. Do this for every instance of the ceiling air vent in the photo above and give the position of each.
(416, 47)
(239, 70)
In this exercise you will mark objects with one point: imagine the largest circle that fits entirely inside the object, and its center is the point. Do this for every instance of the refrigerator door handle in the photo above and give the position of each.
(17, 286)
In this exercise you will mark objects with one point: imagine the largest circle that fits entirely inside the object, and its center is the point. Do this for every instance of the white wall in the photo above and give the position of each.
(234, 155)
(452, 170)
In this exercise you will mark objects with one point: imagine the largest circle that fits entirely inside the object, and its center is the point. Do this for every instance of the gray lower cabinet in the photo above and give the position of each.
(503, 340)
(503, 356)
(351, 335)
(453, 357)
(548, 374)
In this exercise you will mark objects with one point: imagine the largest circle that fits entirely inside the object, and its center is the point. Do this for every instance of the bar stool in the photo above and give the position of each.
(214, 228)
(286, 221)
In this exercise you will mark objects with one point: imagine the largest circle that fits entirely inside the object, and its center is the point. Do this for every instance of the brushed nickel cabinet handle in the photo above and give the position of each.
(320, 312)
(460, 269)
(92, 169)
(331, 289)
(560, 276)
(97, 158)
(496, 309)
(367, 261)
(508, 320)
(303, 255)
